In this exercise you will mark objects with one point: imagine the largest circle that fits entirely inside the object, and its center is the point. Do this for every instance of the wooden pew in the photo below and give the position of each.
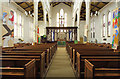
(102, 69)
(44, 47)
(79, 62)
(86, 48)
(7, 48)
(47, 53)
(39, 68)
(50, 47)
(32, 51)
(41, 57)
(18, 68)
(78, 52)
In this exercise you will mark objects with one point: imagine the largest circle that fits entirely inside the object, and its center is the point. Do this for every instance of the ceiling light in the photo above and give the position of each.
(33, 14)
(29, 12)
(26, 13)
(91, 13)
(96, 12)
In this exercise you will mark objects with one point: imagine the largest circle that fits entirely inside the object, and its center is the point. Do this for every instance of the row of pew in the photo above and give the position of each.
(27, 61)
(92, 61)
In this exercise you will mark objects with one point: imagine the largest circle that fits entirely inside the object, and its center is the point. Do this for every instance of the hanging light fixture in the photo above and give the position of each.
(96, 12)
(33, 14)
(26, 13)
(91, 13)
(29, 12)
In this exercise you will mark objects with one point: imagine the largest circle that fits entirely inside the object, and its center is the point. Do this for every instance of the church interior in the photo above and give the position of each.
(66, 39)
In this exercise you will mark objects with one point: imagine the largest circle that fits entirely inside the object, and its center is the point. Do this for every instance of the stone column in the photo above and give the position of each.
(49, 14)
(117, 3)
(1, 33)
(78, 25)
(35, 18)
(78, 21)
(86, 31)
(45, 21)
(1, 23)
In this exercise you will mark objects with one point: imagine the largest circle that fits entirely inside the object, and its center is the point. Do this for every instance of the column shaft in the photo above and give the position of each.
(45, 21)
(35, 18)
(1, 23)
(87, 19)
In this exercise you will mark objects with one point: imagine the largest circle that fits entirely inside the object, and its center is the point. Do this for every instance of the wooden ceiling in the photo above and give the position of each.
(95, 6)
(53, 4)
(29, 6)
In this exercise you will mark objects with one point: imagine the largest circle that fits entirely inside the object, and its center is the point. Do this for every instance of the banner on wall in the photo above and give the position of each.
(116, 25)
(38, 36)
(8, 27)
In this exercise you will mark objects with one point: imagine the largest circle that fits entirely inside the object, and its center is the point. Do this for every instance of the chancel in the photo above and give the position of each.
(74, 39)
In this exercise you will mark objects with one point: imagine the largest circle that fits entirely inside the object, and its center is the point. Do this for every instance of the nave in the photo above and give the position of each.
(46, 39)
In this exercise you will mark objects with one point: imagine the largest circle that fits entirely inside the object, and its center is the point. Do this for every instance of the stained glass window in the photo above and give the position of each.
(108, 23)
(94, 29)
(15, 25)
(103, 30)
(91, 29)
(62, 20)
(65, 19)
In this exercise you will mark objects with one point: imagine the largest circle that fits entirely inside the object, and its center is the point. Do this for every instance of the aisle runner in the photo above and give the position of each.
(60, 66)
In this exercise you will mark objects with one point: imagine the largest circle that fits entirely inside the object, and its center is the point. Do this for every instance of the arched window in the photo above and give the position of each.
(61, 18)
(61, 13)
(15, 26)
(108, 23)
(65, 19)
(20, 26)
(57, 19)
(103, 30)
(93, 29)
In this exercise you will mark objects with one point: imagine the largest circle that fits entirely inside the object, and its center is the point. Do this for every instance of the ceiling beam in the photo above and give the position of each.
(20, 3)
(56, 4)
(96, 6)
(66, 4)
(28, 6)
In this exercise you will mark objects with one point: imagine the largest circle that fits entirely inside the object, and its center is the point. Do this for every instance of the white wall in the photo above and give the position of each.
(25, 21)
(0, 25)
(99, 24)
(56, 9)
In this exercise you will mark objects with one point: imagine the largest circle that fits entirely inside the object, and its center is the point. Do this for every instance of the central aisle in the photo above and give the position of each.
(60, 66)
